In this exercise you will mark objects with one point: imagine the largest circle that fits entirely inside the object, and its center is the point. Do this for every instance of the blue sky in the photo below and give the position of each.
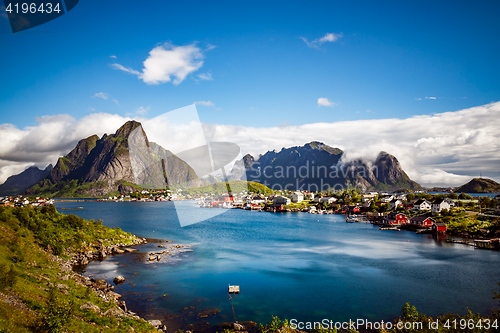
(390, 54)
(260, 64)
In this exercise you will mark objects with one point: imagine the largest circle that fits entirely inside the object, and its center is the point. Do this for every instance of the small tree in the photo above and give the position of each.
(464, 196)
(57, 312)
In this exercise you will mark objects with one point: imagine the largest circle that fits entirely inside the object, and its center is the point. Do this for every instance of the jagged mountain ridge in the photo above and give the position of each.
(317, 166)
(98, 166)
(16, 184)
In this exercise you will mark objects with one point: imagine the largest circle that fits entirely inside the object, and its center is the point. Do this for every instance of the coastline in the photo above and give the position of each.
(100, 287)
(166, 251)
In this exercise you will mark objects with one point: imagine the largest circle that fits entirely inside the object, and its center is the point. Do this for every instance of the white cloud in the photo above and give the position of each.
(105, 96)
(329, 37)
(325, 102)
(419, 99)
(440, 149)
(113, 56)
(204, 103)
(101, 95)
(142, 111)
(167, 62)
(125, 69)
(51, 138)
(205, 77)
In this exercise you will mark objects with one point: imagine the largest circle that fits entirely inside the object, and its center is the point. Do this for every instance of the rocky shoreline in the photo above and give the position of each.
(100, 287)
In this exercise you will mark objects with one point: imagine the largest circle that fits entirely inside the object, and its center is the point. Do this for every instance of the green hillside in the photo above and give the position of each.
(479, 185)
(36, 294)
(237, 186)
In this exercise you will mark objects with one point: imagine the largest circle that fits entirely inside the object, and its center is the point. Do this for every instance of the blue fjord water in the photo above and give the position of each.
(293, 265)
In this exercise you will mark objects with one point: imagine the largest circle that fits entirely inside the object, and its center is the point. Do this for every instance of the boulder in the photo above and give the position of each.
(122, 305)
(112, 294)
(129, 249)
(117, 250)
(91, 307)
(100, 284)
(238, 327)
(114, 312)
(118, 279)
(101, 254)
(155, 323)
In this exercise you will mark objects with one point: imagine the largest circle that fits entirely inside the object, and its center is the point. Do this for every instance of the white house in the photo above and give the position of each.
(451, 202)
(281, 201)
(258, 199)
(422, 204)
(297, 197)
(367, 203)
(387, 199)
(395, 203)
(368, 196)
(438, 205)
(328, 200)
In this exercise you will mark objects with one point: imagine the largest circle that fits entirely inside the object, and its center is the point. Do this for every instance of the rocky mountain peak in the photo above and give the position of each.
(96, 166)
(316, 166)
(127, 129)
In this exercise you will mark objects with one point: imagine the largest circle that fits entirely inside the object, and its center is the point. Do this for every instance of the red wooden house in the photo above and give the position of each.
(421, 221)
(395, 219)
(439, 228)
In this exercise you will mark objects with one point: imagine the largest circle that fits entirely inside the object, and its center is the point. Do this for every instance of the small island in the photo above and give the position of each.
(479, 185)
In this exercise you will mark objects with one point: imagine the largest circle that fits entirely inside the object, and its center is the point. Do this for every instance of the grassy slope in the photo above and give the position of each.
(64, 189)
(23, 234)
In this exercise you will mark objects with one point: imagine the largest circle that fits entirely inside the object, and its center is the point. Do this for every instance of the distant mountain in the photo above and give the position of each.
(16, 184)
(317, 166)
(122, 162)
(479, 185)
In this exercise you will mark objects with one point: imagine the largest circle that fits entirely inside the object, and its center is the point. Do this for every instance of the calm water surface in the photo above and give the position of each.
(294, 265)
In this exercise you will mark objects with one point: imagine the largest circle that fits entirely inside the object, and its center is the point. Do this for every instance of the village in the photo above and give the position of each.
(420, 212)
(439, 213)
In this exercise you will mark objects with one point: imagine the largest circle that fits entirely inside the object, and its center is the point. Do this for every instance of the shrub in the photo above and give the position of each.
(8, 276)
(57, 312)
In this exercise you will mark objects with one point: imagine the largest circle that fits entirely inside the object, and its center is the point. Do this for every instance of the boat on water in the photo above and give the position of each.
(352, 219)
(234, 289)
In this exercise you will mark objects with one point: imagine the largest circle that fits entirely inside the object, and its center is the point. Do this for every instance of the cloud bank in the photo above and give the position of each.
(439, 149)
